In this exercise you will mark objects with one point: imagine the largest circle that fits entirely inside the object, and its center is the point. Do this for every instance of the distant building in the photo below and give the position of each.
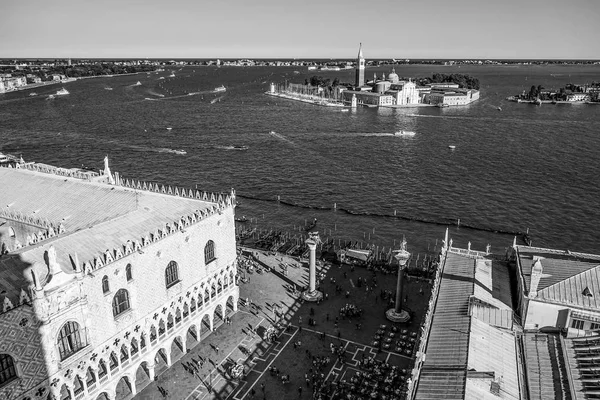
(360, 68)
(367, 98)
(452, 97)
(406, 93)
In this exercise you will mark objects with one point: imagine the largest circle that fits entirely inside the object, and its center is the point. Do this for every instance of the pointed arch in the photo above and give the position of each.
(177, 316)
(134, 349)
(77, 385)
(90, 378)
(102, 369)
(153, 334)
(70, 339)
(209, 252)
(161, 327)
(105, 285)
(124, 355)
(170, 321)
(8, 370)
(186, 310)
(113, 361)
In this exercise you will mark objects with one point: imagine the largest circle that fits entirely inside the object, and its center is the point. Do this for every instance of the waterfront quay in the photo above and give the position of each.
(276, 334)
(306, 98)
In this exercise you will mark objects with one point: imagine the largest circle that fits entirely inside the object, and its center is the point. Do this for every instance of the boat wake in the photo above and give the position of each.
(278, 136)
(238, 148)
(172, 151)
(213, 101)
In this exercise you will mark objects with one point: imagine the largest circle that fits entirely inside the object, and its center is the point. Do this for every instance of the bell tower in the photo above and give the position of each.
(360, 68)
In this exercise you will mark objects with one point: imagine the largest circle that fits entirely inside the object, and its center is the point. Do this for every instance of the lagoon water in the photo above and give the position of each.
(525, 167)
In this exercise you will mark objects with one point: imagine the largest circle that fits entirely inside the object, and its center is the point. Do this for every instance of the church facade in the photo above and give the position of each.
(105, 282)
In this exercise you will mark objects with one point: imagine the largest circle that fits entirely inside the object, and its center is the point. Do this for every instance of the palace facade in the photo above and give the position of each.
(105, 282)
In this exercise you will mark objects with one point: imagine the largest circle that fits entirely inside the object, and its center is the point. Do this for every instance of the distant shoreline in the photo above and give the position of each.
(48, 83)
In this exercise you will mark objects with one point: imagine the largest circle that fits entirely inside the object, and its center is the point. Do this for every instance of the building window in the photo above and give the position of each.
(69, 340)
(594, 326)
(105, 286)
(209, 252)
(8, 372)
(120, 302)
(577, 323)
(171, 274)
(128, 272)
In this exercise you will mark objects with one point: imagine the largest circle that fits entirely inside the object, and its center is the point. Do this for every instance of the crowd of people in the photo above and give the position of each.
(376, 380)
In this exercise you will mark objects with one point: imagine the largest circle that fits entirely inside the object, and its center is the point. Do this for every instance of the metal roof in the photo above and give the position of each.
(444, 371)
(492, 350)
(582, 356)
(571, 291)
(545, 365)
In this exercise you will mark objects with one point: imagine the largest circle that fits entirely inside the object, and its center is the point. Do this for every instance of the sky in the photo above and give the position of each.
(401, 29)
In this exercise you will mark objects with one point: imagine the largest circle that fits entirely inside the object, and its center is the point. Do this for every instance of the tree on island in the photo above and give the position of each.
(463, 80)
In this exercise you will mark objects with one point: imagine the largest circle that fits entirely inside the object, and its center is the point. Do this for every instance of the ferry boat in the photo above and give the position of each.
(404, 133)
(62, 92)
(220, 89)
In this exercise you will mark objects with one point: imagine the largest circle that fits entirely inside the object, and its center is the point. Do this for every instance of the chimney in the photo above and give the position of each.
(536, 275)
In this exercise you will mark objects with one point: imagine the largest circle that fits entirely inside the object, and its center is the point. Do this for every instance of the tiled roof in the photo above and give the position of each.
(557, 265)
(99, 217)
(546, 371)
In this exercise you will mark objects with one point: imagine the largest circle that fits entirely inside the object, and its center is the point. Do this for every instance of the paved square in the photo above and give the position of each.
(203, 373)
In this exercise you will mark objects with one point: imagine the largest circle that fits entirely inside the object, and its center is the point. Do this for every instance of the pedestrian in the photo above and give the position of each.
(327, 318)
(252, 392)
(217, 349)
(299, 319)
(347, 294)
(299, 391)
(262, 386)
(339, 334)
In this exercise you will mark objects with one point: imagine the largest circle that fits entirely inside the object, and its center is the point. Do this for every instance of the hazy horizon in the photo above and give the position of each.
(313, 29)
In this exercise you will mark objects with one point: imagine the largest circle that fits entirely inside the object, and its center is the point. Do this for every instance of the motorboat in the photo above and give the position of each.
(62, 92)
(442, 105)
(108, 88)
(499, 108)
(181, 152)
(404, 133)
(172, 75)
(451, 147)
(32, 94)
(220, 89)
(50, 97)
(169, 128)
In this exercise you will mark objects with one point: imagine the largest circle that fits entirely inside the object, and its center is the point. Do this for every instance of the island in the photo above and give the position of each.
(440, 90)
(571, 93)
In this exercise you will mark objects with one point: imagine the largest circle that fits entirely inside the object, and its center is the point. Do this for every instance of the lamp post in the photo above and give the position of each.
(397, 314)
(312, 294)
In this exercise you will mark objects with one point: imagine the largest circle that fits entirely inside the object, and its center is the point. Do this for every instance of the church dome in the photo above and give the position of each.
(393, 77)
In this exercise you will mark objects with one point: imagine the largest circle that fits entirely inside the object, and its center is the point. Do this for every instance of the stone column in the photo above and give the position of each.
(150, 371)
(397, 314)
(312, 294)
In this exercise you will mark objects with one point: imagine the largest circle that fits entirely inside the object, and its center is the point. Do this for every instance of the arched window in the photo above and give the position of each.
(105, 286)
(171, 274)
(209, 252)
(128, 272)
(8, 372)
(70, 340)
(120, 302)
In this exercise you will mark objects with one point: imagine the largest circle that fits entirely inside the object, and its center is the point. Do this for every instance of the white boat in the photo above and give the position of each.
(162, 77)
(108, 88)
(451, 147)
(220, 89)
(404, 133)
(33, 94)
(138, 83)
(181, 152)
(344, 110)
(62, 92)
(50, 97)
(172, 75)
(169, 128)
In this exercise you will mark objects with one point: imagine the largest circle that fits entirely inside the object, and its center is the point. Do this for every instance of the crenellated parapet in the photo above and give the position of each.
(229, 198)
(50, 169)
(138, 244)
(48, 229)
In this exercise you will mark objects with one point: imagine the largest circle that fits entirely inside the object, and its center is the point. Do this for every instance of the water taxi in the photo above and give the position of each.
(181, 152)
(220, 89)
(451, 147)
(404, 133)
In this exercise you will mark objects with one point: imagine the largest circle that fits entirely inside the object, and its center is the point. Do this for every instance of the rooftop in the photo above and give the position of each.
(565, 276)
(469, 354)
(97, 217)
